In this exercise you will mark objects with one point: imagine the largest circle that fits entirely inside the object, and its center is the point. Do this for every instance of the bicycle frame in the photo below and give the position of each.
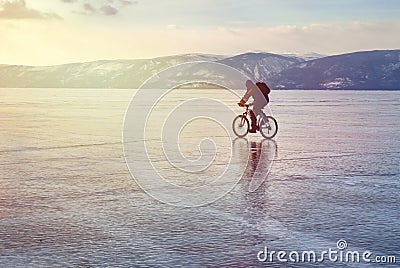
(258, 117)
(247, 110)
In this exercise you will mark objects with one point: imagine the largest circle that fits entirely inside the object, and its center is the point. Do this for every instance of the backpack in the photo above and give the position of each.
(264, 88)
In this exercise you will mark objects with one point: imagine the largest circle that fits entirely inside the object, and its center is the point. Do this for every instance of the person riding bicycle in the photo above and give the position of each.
(259, 92)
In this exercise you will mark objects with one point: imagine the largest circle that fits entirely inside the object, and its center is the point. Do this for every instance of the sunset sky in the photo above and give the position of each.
(46, 32)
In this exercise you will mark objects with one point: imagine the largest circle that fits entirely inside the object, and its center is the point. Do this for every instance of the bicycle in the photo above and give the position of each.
(266, 124)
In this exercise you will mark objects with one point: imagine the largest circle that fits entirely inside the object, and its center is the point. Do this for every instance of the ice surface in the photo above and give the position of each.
(67, 198)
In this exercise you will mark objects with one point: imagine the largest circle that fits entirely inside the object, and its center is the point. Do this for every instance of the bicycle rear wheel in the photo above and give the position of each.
(240, 126)
(268, 127)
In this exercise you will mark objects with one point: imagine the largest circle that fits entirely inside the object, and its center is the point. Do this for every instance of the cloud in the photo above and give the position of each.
(108, 10)
(17, 9)
(59, 42)
(172, 27)
(102, 7)
(127, 2)
(326, 38)
(89, 8)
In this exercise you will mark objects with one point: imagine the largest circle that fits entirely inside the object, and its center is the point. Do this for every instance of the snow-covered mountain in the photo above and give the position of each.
(378, 69)
(305, 56)
(97, 74)
(360, 70)
(261, 66)
(131, 73)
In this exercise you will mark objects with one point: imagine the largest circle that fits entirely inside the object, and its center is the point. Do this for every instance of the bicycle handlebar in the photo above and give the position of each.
(246, 105)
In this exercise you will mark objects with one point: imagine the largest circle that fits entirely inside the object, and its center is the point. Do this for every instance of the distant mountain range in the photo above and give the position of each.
(360, 70)
(366, 70)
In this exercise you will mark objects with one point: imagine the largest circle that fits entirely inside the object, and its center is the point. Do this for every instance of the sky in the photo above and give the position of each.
(48, 32)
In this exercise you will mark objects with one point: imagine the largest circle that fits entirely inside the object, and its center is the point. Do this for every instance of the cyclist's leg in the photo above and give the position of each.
(258, 110)
(253, 119)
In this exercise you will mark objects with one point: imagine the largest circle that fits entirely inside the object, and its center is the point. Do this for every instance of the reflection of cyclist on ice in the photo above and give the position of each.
(259, 92)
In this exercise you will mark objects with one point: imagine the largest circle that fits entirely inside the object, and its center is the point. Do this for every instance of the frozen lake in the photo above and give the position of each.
(67, 198)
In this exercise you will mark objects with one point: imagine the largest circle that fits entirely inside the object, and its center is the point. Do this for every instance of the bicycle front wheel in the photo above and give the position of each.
(268, 127)
(240, 126)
